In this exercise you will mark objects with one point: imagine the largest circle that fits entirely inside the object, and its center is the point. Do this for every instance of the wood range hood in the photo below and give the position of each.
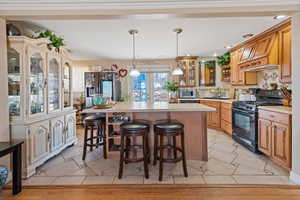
(261, 52)
(260, 55)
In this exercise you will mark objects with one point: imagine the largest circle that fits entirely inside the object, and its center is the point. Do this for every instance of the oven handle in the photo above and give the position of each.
(243, 112)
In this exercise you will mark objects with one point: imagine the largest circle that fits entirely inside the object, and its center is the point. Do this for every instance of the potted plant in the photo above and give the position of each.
(224, 60)
(172, 87)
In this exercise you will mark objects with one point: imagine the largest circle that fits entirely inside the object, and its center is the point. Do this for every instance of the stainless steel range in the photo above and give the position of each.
(245, 116)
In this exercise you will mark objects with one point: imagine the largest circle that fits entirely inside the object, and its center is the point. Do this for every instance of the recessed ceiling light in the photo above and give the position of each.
(188, 54)
(279, 16)
(248, 35)
(215, 54)
(228, 47)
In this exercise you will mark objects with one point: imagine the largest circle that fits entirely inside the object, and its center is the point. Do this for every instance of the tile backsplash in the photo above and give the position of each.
(268, 77)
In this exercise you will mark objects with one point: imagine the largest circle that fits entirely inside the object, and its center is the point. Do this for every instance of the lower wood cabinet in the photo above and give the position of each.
(265, 136)
(226, 117)
(274, 136)
(213, 118)
(221, 119)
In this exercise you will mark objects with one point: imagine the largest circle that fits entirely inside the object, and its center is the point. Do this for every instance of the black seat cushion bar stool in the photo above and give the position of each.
(132, 130)
(170, 129)
(91, 123)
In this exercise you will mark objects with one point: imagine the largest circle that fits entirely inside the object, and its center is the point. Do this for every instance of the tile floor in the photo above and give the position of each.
(229, 163)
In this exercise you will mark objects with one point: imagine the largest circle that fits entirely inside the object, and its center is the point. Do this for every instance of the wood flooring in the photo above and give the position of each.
(155, 192)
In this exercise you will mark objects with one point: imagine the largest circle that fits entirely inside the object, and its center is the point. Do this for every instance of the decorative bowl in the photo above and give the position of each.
(104, 106)
(3, 175)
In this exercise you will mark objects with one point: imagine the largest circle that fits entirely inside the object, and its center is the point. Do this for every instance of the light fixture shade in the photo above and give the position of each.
(134, 72)
(177, 71)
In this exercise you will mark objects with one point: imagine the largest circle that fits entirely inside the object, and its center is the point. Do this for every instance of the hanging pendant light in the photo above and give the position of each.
(133, 72)
(177, 71)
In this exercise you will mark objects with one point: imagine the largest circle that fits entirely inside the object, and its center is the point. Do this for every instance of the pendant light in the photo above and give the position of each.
(133, 72)
(177, 71)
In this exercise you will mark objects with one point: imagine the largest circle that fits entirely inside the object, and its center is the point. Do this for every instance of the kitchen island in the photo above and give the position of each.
(193, 116)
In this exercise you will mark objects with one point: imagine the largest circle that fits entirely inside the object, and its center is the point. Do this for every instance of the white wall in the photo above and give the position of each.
(4, 116)
(295, 174)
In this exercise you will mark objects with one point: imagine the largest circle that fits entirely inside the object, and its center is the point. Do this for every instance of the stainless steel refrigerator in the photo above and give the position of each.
(106, 84)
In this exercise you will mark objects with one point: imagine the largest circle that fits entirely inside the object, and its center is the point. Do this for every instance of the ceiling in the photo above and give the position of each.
(109, 39)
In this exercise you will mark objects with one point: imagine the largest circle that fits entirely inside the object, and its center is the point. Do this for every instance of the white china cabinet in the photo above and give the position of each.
(40, 100)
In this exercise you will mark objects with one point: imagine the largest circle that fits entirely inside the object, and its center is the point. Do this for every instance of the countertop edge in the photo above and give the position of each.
(280, 109)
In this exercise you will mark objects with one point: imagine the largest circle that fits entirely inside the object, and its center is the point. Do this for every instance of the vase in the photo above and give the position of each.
(173, 97)
(3, 175)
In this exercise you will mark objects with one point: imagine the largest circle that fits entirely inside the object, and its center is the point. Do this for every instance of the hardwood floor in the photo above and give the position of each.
(155, 192)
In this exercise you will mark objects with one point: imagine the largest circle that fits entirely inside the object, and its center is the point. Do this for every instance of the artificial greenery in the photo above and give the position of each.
(224, 60)
(55, 41)
(172, 86)
(210, 64)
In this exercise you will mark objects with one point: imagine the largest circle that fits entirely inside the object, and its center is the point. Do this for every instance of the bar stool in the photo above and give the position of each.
(170, 129)
(132, 130)
(91, 123)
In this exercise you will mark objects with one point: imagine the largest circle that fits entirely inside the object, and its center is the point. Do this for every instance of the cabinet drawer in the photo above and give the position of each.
(226, 106)
(226, 126)
(274, 116)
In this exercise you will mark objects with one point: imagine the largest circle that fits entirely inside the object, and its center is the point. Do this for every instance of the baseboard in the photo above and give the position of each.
(295, 177)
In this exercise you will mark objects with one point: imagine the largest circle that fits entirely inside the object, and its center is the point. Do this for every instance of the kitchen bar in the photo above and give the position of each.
(193, 116)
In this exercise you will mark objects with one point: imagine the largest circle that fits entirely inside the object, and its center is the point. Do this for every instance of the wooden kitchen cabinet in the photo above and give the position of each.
(274, 136)
(239, 77)
(265, 136)
(189, 65)
(226, 117)
(281, 142)
(213, 118)
(285, 54)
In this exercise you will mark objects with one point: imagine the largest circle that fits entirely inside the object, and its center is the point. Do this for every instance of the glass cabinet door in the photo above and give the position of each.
(14, 78)
(67, 85)
(53, 85)
(36, 84)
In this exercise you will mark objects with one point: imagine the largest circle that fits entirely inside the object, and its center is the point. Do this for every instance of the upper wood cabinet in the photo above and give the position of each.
(189, 66)
(285, 54)
(268, 50)
(239, 77)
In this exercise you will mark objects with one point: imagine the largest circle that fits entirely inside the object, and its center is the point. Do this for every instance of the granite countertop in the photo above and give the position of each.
(220, 100)
(155, 107)
(282, 109)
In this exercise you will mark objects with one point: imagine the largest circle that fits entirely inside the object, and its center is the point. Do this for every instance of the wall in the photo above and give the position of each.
(4, 116)
(295, 174)
(98, 65)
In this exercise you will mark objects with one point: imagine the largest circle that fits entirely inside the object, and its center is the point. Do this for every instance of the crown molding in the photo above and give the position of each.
(134, 4)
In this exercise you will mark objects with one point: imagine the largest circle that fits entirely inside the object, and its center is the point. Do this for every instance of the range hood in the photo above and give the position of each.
(260, 54)
(261, 68)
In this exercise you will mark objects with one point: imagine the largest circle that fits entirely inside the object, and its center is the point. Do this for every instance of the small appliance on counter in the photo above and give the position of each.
(245, 115)
(187, 93)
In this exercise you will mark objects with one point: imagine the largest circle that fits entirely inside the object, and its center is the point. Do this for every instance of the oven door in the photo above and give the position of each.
(244, 124)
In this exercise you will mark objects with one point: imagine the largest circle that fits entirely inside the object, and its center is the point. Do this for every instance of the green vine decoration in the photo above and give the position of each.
(224, 60)
(55, 41)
